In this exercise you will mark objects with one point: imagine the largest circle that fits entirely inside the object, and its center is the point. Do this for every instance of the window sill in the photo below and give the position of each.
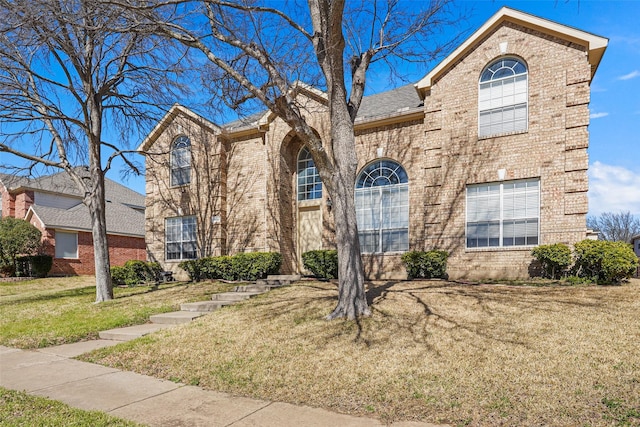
(501, 249)
(396, 253)
(309, 203)
(180, 185)
(499, 135)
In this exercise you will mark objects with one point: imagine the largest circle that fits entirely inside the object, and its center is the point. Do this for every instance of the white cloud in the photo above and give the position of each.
(613, 189)
(631, 75)
(598, 115)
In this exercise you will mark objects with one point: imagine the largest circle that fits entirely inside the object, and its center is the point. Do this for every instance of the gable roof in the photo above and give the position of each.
(595, 45)
(173, 112)
(120, 218)
(62, 183)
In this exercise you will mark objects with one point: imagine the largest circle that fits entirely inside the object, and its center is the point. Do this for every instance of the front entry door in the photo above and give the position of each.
(309, 231)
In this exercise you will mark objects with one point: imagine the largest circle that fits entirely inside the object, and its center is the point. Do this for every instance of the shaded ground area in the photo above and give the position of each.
(440, 351)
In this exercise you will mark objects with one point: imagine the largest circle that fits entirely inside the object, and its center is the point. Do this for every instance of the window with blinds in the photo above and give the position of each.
(503, 98)
(382, 207)
(66, 245)
(503, 214)
(180, 238)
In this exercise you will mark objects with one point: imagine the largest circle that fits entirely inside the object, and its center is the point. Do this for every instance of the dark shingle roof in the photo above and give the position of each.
(120, 215)
(387, 103)
(390, 102)
(62, 183)
(120, 218)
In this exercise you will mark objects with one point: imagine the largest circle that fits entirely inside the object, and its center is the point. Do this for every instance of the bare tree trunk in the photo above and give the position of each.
(104, 286)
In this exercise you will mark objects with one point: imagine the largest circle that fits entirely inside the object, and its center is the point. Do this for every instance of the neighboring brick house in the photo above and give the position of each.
(485, 157)
(54, 205)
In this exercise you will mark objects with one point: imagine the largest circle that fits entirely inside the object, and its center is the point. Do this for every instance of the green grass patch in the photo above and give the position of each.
(20, 409)
(45, 312)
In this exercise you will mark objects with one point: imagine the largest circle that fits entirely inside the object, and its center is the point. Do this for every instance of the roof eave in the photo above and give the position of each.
(168, 118)
(595, 45)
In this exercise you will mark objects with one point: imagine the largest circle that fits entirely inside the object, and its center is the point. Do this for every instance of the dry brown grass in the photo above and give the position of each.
(433, 351)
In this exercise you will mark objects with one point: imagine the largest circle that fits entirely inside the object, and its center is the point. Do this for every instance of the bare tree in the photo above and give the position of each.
(258, 53)
(70, 69)
(615, 226)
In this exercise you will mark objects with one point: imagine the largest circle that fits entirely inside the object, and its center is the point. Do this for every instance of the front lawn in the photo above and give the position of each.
(434, 351)
(45, 312)
(20, 409)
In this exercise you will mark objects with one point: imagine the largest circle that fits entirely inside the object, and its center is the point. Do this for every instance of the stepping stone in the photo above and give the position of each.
(204, 305)
(257, 288)
(132, 332)
(234, 296)
(176, 317)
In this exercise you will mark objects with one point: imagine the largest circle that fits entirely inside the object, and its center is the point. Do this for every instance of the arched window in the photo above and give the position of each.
(181, 161)
(503, 98)
(382, 207)
(309, 183)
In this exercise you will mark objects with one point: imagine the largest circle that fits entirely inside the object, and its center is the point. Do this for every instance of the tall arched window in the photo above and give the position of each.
(181, 161)
(503, 98)
(309, 183)
(382, 207)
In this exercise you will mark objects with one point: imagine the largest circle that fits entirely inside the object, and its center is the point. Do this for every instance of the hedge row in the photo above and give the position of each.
(135, 272)
(248, 266)
(428, 265)
(323, 263)
(598, 260)
(34, 265)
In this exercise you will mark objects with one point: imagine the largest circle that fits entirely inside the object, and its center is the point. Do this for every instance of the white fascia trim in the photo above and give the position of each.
(166, 121)
(595, 44)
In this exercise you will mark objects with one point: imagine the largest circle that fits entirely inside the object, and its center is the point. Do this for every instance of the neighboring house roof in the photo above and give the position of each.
(120, 218)
(595, 45)
(62, 183)
(124, 207)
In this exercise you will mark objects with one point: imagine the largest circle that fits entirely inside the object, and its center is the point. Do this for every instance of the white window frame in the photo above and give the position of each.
(308, 178)
(181, 146)
(73, 239)
(501, 219)
(183, 239)
(366, 192)
(501, 107)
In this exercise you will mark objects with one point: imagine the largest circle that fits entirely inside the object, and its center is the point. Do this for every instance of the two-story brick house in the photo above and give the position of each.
(53, 204)
(485, 157)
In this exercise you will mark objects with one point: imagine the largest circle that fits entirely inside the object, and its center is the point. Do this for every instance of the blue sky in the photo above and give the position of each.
(614, 152)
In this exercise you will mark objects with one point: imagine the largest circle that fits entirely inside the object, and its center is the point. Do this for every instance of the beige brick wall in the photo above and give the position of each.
(251, 179)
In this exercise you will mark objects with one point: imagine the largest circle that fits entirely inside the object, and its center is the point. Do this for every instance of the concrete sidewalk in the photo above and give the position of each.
(50, 372)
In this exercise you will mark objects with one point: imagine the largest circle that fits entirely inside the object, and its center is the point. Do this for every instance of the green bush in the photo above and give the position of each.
(243, 266)
(603, 261)
(429, 265)
(193, 269)
(17, 237)
(323, 263)
(554, 259)
(118, 275)
(34, 265)
(218, 267)
(135, 272)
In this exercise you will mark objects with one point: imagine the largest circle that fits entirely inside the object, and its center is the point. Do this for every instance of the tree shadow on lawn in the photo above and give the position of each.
(431, 306)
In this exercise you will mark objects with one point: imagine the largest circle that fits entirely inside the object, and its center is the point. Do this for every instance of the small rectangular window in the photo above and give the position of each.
(66, 245)
(180, 238)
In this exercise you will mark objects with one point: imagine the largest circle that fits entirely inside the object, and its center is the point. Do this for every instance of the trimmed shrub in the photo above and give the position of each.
(135, 272)
(323, 263)
(193, 269)
(248, 266)
(428, 265)
(554, 259)
(118, 275)
(34, 265)
(605, 262)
